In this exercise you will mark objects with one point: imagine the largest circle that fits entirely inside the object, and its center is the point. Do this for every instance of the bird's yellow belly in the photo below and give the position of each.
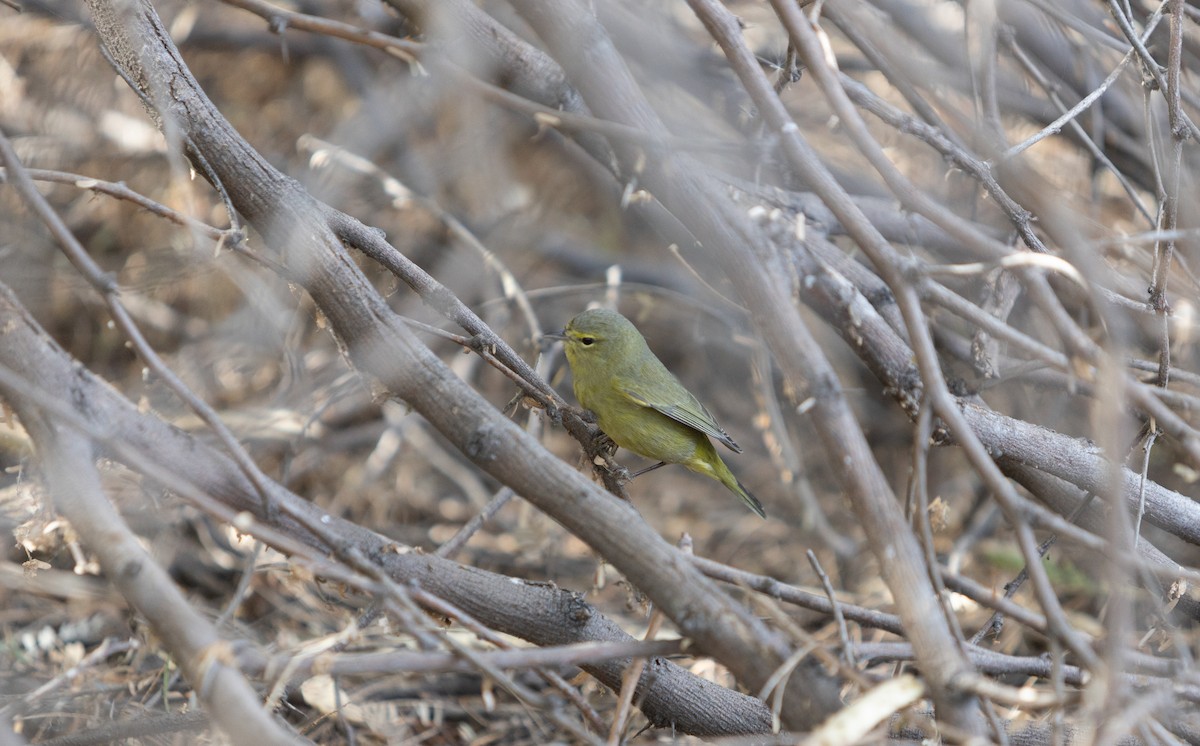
(646, 431)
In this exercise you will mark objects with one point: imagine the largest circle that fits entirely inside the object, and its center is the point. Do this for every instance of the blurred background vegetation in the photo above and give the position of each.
(506, 211)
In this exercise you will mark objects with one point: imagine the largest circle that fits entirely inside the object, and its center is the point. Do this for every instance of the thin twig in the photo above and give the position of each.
(838, 617)
(629, 684)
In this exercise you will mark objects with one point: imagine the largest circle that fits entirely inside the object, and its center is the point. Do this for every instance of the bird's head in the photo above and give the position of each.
(597, 337)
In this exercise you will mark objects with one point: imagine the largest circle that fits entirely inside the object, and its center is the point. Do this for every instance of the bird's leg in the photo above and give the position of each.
(608, 452)
(604, 445)
(640, 472)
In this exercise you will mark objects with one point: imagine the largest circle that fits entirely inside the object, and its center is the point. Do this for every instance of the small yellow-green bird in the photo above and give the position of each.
(640, 404)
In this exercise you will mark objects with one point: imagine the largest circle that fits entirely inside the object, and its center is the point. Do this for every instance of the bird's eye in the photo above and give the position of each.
(587, 341)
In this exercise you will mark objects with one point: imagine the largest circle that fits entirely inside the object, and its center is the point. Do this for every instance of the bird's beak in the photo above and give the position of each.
(545, 341)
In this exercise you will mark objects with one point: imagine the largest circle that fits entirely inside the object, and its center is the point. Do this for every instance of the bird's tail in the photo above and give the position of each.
(750, 500)
(711, 465)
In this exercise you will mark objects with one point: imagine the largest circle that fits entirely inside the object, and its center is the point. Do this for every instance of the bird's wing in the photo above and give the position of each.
(685, 408)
